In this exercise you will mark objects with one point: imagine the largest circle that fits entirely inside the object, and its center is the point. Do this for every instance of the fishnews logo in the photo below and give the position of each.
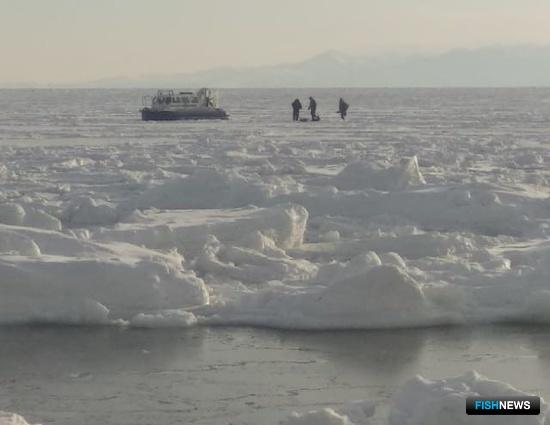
(526, 405)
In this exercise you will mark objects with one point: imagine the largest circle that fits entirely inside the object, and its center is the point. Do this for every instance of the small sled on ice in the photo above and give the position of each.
(315, 118)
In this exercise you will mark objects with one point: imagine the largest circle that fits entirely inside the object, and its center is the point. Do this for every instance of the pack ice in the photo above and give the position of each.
(425, 402)
(294, 234)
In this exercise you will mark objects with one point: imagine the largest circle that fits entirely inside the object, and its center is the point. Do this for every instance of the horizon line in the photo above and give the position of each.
(288, 87)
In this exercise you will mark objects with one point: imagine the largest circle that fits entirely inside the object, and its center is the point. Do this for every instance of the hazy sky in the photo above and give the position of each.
(77, 40)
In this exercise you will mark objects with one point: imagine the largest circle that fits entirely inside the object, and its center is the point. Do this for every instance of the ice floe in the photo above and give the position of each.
(312, 233)
(425, 402)
(7, 418)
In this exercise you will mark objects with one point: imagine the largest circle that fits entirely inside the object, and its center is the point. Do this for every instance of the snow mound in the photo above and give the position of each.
(361, 175)
(7, 418)
(474, 209)
(165, 318)
(210, 188)
(87, 211)
(62, 279)
(413, 246)
(377, 297)
(425, 402)
(41, 219)
(16, 215)
(385, 294)
(189, 231)
(16, 243)
(12, 214)
(250, 265)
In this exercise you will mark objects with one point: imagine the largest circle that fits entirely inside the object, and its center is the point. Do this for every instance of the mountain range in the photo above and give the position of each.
(495, 66)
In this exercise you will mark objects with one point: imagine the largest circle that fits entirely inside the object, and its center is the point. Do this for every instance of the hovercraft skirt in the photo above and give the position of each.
(148, 114)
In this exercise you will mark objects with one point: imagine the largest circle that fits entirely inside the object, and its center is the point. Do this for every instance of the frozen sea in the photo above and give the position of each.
(242, 375)
(233, 272)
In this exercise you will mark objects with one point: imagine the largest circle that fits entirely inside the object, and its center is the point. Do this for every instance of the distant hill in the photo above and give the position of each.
(489, 66)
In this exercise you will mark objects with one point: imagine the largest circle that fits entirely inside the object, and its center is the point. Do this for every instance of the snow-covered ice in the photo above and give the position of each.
(7, 418)
(426, 207)
(426, 402)
(340, 225)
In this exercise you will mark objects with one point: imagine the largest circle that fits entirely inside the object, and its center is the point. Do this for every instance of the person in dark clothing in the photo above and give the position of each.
(343, 108)
(313, 108)
(296, 106)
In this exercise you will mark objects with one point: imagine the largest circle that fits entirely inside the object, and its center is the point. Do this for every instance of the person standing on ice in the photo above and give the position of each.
(343, 108)
(296, 106)
(313, 108)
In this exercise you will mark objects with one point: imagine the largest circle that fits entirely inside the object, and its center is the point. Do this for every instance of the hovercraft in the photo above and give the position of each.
(170, 105)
